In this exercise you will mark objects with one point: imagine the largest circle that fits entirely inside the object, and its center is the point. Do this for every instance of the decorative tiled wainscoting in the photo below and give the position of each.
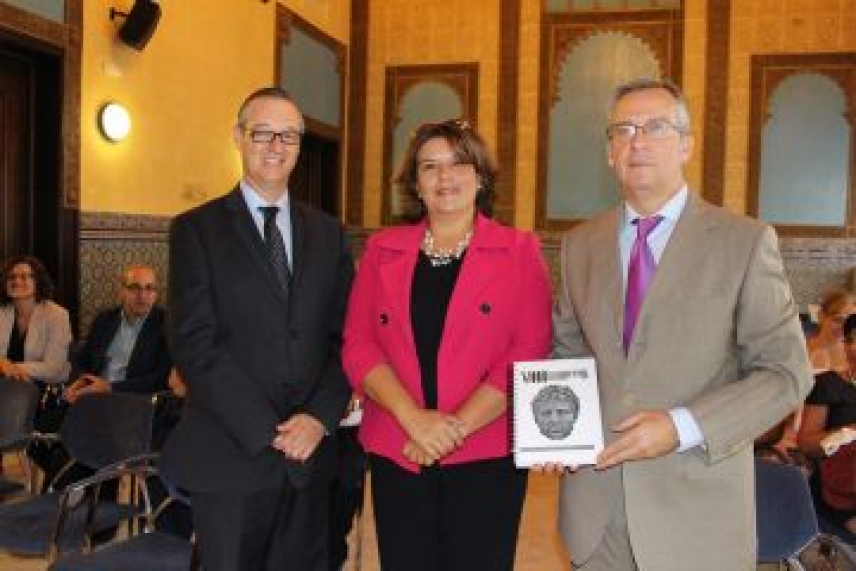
(813, 265)
(111, 241)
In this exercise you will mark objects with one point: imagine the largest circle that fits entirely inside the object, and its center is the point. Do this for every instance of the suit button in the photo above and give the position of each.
(293, 333)
(629, 400)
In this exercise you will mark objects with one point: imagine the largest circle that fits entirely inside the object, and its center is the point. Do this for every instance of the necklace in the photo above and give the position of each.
(444, 256)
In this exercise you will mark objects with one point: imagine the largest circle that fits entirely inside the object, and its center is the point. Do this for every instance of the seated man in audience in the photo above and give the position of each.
(126, 349)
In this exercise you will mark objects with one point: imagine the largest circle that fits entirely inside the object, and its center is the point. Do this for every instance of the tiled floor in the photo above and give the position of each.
(539, 548)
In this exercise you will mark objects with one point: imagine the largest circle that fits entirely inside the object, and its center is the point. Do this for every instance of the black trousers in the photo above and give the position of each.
(346, 494)
(285, 528)
(460, 517)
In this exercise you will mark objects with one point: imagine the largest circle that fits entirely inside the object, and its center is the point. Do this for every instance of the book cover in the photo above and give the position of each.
(557, 416)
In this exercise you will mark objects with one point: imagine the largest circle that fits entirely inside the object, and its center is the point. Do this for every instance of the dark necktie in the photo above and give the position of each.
(276, 246)
(640, 270)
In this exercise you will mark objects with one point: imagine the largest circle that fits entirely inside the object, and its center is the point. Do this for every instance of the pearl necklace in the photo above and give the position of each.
(444, 256)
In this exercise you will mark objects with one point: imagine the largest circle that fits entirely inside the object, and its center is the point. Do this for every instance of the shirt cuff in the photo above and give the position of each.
(689, 433)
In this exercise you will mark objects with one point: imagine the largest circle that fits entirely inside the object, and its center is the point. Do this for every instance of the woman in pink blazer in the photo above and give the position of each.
(439, 311)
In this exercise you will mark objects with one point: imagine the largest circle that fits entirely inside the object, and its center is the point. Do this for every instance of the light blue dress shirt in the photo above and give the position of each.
(119, 353)
(688, 429)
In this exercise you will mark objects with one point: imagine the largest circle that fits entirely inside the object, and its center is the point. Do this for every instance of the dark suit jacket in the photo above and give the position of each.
(251, 355)
(150, 362)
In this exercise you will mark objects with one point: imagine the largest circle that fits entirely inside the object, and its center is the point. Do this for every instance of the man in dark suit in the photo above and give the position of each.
(258, 290)
(126, 349)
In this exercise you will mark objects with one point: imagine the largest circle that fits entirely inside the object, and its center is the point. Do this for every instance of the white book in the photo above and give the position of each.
(557, 416)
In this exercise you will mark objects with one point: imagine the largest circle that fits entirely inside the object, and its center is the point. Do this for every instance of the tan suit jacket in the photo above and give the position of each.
(718, 333)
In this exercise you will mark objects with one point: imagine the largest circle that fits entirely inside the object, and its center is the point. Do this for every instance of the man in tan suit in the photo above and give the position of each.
(713, 358)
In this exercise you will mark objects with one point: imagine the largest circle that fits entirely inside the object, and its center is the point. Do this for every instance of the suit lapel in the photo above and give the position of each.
(607, 271)
(479, 269)
(687, 245)
(144, 340)
(398, 261)
(242, 225)
(300, 238)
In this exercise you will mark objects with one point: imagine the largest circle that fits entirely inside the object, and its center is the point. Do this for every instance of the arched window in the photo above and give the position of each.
(590, 50)
(801, 152)
(425, 102)
(417, 94)
(579, 181)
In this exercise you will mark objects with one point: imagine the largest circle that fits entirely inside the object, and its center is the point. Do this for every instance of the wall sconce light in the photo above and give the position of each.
(114, 122)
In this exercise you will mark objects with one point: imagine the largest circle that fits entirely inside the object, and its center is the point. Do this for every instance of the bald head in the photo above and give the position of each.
(138, 291)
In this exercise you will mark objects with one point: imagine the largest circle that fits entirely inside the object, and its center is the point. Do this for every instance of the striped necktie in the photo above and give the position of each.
(276, 247)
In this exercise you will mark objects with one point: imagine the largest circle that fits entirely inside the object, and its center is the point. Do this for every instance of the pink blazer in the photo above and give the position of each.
(500, 312)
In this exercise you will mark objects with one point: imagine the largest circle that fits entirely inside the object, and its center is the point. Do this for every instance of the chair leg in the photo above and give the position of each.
(195, 563)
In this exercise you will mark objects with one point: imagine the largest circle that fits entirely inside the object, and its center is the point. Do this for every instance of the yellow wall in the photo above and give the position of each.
(182, 92)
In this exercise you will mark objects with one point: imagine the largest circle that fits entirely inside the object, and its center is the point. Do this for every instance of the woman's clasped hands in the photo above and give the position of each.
(433, 435)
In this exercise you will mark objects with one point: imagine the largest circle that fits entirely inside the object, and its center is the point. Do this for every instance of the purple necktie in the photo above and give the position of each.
(640, 270)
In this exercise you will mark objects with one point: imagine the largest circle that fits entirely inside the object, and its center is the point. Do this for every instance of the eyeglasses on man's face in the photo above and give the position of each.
(141, 288)
(657, 128)
(268, 136)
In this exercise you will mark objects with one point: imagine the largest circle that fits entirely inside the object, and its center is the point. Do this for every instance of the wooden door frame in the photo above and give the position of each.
(62, 40)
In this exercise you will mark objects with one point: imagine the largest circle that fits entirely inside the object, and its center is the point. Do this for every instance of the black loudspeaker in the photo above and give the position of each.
(139, 24)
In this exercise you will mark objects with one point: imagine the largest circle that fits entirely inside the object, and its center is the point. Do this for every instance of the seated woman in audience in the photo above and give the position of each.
(35, 332)
(825, 351)
(830, 407)
(826, 347)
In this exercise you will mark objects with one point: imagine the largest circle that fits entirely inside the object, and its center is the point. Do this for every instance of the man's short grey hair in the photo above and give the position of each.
(646, 83)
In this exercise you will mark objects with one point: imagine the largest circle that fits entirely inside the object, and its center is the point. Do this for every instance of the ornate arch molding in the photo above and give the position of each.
(461, 78)
(657, 39)
(660, 30)
(768, 72)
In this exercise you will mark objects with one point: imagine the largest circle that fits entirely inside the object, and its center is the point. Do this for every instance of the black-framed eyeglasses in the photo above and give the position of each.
(268, 136)
(141, 288)
(657, 128)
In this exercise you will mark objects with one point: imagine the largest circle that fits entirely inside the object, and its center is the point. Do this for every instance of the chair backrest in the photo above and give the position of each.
(18, 401)
(786, 521)
(104, 428)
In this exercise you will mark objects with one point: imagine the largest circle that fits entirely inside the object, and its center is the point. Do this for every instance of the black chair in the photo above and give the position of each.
(152, 549)
(106, 432)
(787, 525)
(17, 410)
